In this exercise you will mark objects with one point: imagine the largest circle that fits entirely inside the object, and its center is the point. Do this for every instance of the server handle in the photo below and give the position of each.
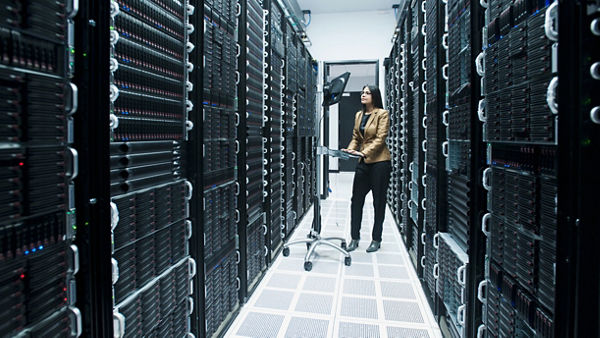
(424, 146)
(551, 16)
(74, 163)
(445, 148)
(486, 179)
(551, 95)
(445, 75)
(595, 114)
(423, 238)
(74, 9)
(118, 325)
(77, 321)
(114, 270)
(190, 9)
(423, 9)
(460, 314)
(436, 241)
(424, 180)
(479, 64)
(445, 116)
(481, 288)
(481, 331)
(445, 41)
(189, 190)
(423, 201)
(436, 271)
(75, 262)
(424, 122)
(423, 261)
(189, 230)
(481, 110)
(114, 215)
(485, 226)
(461, 275)
(190, 305)
(192, 268)
(74, 98)
(484, 3)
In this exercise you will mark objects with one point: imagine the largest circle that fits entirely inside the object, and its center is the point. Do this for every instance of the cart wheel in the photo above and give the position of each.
(307, 246)
(348, 261)
(286, 252)
(307, 266)
(343, 245)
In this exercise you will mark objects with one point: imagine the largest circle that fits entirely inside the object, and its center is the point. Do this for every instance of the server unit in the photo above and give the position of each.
(149, 107)
(252, 227)
(38, 258)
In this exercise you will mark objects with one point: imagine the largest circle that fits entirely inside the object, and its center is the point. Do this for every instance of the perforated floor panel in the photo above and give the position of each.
(379, 295)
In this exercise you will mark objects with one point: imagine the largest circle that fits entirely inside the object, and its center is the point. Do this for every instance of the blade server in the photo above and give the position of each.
(149, 108)
(38, 258)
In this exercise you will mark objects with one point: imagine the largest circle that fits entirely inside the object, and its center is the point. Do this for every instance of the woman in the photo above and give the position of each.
(371, 126)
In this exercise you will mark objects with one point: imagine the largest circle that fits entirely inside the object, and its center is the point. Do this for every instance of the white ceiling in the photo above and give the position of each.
(336, 6)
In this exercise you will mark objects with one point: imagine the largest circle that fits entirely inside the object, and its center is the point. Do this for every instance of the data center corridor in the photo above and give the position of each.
(378, 296)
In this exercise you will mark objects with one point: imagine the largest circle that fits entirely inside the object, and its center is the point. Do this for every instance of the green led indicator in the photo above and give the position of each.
(84, 54)
(72, 50)
(587, 101)
(586, 142)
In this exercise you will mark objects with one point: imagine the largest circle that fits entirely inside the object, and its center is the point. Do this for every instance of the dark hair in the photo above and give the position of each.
(375, 96)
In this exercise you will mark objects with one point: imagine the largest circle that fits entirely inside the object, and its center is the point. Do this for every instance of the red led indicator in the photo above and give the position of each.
(21, 164)
(22, 276)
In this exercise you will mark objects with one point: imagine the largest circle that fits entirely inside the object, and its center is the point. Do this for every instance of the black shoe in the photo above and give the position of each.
(374, 246)
(353, 245)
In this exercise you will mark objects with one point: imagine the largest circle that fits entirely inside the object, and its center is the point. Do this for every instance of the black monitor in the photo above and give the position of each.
(332, 91)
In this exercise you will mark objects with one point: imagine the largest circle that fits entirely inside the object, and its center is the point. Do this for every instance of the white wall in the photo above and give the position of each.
(348, 36)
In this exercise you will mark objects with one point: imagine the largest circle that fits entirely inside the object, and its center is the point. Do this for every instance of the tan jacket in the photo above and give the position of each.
(372, 144)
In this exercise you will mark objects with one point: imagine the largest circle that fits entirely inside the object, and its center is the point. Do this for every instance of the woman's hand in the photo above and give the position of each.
(353, 152)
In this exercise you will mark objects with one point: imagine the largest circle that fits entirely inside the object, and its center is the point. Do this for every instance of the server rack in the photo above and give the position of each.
(577, 149)
(440, 153)
(290, 123)
(436, 62)
(537, 134)
(149, 106)
(38, 257)
(274, 204)
(522, 123)
(252, 227)
(215, 173)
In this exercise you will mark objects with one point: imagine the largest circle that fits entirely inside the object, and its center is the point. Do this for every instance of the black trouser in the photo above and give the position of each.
(370, 177)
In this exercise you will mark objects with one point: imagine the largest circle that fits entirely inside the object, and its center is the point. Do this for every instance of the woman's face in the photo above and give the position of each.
(365, 96)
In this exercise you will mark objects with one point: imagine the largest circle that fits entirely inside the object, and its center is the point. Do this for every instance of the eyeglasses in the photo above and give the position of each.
(366, 93)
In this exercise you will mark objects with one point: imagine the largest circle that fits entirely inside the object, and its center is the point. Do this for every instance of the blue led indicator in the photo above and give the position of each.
(41, 247)
(26, 252)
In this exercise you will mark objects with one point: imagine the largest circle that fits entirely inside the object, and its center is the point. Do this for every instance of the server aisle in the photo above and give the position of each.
(378, 296)
(494, 183)
(38, 260)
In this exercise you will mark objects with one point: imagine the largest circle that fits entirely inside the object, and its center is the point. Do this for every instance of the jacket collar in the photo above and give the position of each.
(371, 118)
